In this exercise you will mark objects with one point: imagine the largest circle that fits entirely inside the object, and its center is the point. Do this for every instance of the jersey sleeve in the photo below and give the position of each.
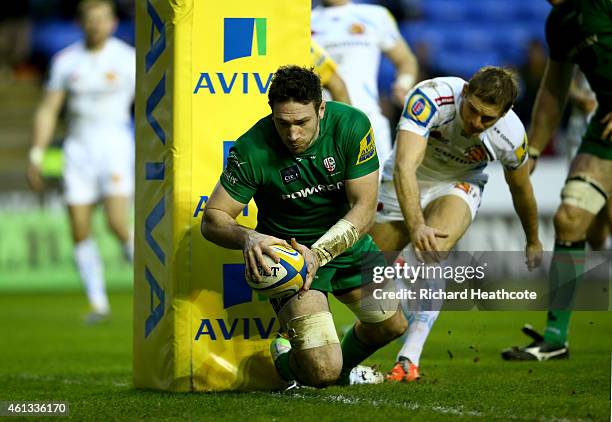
(388, 31)
(512, 134)
(323, 65)
(360, 148)
(420, 112)
(238, 177)
(58, 74)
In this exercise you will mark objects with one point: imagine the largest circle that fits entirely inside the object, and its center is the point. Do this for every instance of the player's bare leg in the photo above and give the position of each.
(390, 237)
(315, 357)
(449, 214)
(117, 210)
(88, 261)
(583, 197)
(599, 231)
(378, 323)
(572, 221)
(80, 221)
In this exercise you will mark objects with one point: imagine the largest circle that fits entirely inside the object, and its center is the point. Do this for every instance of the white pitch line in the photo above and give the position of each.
(339, 398)
(445, 410)
(334, 398)
(51, 378)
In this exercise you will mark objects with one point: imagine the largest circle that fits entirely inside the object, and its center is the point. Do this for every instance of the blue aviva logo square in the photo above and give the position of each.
(242, 35)
(236, 291)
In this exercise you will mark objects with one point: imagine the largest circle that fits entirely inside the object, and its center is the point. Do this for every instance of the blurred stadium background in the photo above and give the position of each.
(35, 246)
(450, 37)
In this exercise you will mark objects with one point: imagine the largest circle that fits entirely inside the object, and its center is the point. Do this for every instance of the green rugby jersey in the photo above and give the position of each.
(301, 196)
(580, 31)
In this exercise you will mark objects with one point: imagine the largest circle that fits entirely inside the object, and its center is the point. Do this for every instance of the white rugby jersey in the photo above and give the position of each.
(432, 111)
(99, 86)
(354, 36)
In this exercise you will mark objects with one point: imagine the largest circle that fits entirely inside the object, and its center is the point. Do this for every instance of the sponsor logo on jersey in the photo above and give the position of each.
(503, 137)
(475, 153)
(110, 76)
(330, 164)
(464, 186)
(521, 152)
(367, 148)
(311, 190)
(357, 28)
(437, 135)
(241, 34)
(290, 174)
(419, 108)
(116, 178)
(232, 164)
(445, 100)
(233, 159)
(444, 155)
(229, 176)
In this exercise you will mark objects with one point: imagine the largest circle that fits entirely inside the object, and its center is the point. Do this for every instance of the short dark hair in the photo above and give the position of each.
(85, 5)
(295, 83)
(495, 85)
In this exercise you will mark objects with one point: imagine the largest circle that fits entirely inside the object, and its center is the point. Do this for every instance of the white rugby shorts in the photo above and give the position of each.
(98, 168)
(388, 205)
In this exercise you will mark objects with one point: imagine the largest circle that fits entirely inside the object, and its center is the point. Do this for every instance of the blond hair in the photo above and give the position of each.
(495, 85)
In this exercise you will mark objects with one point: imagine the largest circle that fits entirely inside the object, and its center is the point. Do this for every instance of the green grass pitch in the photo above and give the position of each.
(47, 354)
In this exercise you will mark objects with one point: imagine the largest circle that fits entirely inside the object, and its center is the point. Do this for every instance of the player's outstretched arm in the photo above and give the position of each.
(327, 69)
(406, 69)
(362, 194)
(337, 88)
(526, 208)
(549, 105)
(45, 121)
(409, 155)
(220, 227)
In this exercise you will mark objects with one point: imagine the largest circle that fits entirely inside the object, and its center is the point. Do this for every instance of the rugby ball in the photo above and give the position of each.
(286, 278)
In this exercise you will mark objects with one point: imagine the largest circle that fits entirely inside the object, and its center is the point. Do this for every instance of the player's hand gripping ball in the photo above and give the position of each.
(286, 278)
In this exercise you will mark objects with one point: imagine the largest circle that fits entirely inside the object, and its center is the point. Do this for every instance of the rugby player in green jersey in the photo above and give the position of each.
(578, 32)
(312, 169)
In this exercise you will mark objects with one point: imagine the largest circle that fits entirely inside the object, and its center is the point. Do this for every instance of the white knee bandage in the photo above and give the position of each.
(379, 303)
(585, 193)
(310, 331)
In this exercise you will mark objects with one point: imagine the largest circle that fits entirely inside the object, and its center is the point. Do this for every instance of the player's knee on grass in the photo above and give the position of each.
(316, 351)
(315, 348)
(318, 367)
